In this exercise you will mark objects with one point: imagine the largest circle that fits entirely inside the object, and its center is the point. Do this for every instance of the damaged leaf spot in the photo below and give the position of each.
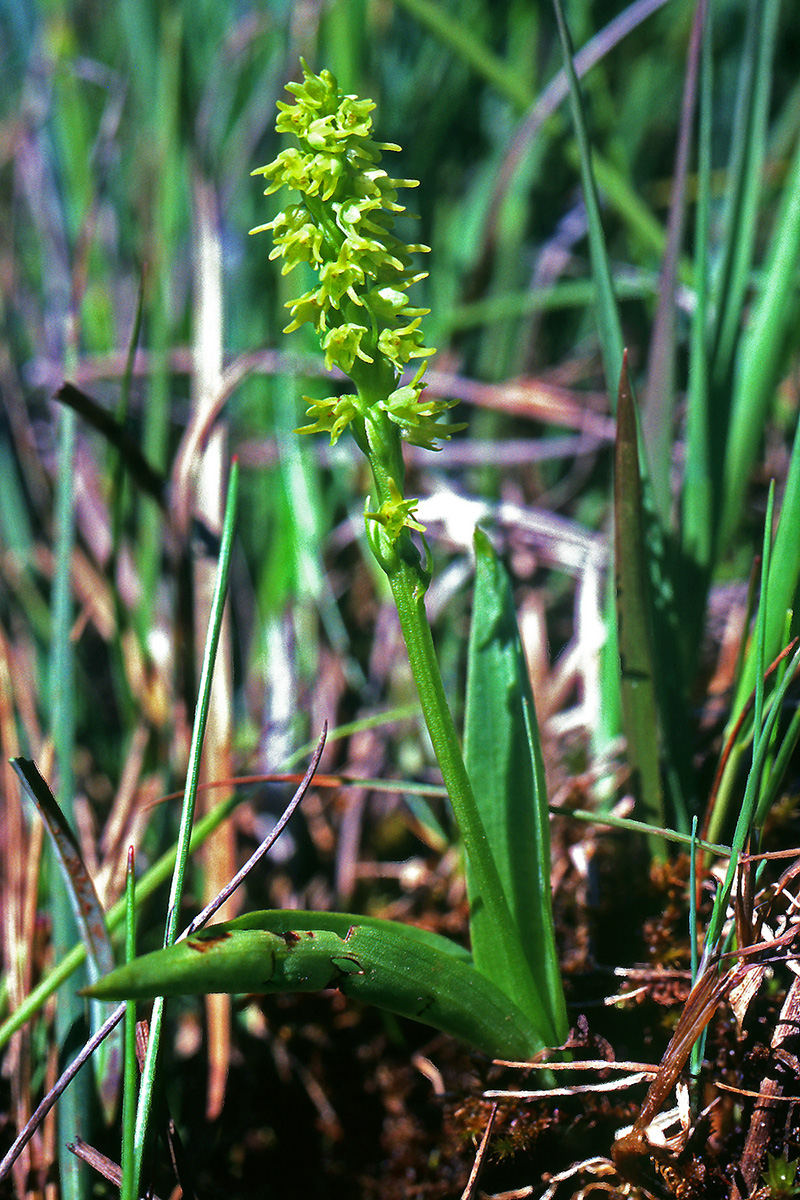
(426, 1003)
(205, 941)
(347, 964)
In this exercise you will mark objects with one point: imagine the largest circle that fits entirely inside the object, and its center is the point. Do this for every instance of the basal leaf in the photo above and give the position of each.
(504, 762)
(403, 970)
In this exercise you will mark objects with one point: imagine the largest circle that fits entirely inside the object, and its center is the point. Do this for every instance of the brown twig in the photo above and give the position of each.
(783, 1045)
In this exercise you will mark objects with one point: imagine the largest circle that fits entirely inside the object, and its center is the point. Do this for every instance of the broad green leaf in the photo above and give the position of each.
(395, 967)
(504, 763)
(275, 920)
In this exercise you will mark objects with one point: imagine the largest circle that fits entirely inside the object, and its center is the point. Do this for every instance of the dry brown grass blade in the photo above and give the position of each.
(198, 490)
(145, 475)
(632, 1152)
(784, 1045)
(120, 830)
(13, 863)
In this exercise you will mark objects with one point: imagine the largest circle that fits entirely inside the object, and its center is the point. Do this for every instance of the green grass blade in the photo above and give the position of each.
(745, 172)
(698, 495)
(74, 1112)
(306, 511)
(611, 345)
(131, 1066)
(745, 820)
(187, 818)
(658, 407)
(761, 356)
(504, 762)
(168, 205)
(505, 77)
(759, 657)
(380, 963)
(771, 786)
(471, 48)
(779, 597)
(782, 584)
(635, 618)
(567, 293)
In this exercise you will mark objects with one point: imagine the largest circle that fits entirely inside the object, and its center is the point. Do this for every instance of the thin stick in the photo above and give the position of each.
(472, 1182)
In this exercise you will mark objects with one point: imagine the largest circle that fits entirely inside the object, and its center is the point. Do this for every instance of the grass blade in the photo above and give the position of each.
(745, 820)
(698, 493)
(89, 916)
(131, 1067)
(745, 172)
(760, 359)
(634, 618)
(607, 314)
(151, 481)
(86, 905)
(187, 817)
(74, 1112)
(658, 408)
(783, 580)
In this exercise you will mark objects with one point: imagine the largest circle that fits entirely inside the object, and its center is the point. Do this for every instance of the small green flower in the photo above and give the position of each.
(416, 418)
(402, 344)
(341, 224)
(331, 415)
(396, 514)
(342, 346)
(306, 308)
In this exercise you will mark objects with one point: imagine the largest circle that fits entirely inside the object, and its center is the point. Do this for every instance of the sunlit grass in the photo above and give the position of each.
(125, 151)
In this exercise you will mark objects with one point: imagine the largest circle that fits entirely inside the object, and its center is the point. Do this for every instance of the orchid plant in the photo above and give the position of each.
(504, 997)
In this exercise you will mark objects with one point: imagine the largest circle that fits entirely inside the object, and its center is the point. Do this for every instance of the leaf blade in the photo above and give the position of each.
(504, 762)
(381, 963)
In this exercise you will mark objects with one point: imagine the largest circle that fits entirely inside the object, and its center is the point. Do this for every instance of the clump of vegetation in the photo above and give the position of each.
(467, 906)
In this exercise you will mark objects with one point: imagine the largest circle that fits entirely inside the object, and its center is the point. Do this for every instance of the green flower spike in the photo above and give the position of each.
(341, 226)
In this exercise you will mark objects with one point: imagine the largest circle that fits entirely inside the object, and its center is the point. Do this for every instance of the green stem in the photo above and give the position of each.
(504, 961)
(503, 958)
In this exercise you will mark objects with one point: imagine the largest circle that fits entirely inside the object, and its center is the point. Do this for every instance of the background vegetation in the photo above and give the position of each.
(127, 138)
